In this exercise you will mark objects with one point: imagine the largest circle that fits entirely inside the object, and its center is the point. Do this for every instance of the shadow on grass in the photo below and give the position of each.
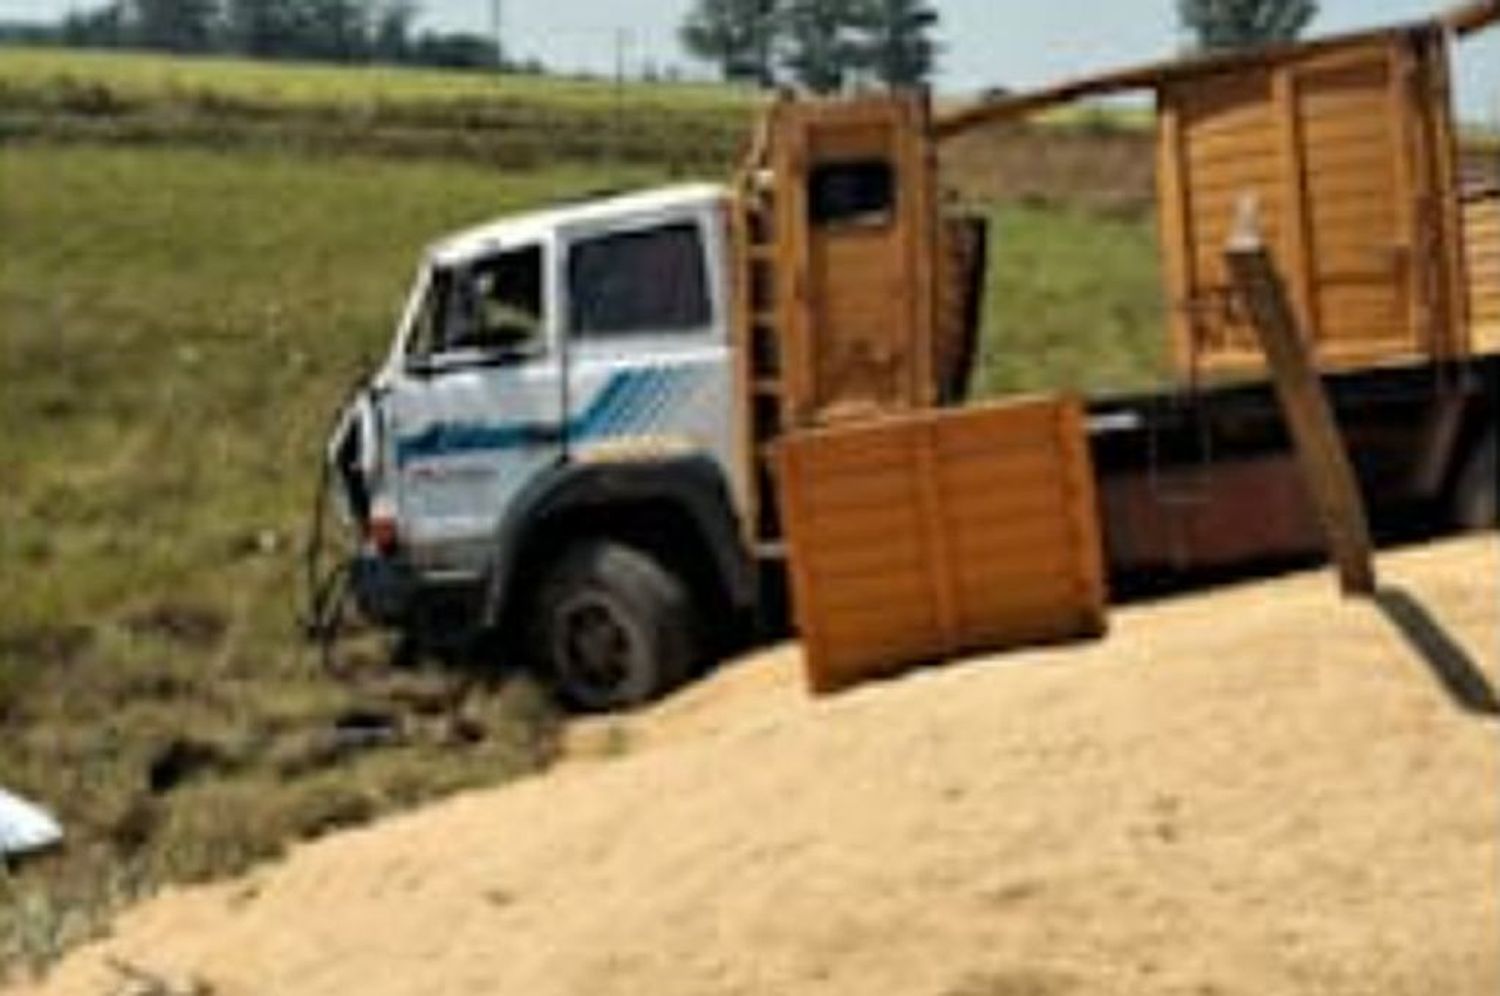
(1450, 663)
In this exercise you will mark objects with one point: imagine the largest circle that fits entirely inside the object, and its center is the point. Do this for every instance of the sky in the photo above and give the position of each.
(1012, 43)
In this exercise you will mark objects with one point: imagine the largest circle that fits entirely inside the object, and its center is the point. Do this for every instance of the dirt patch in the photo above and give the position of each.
(1265, 790)
(46, 646)
(188, 625)
(1111, 168)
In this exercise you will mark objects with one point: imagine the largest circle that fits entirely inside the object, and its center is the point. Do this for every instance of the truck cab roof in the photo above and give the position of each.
(533, 226)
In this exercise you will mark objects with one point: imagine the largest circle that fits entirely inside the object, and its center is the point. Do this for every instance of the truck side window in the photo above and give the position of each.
(494, 305)
(861, 193)
(501, 304)
(639, 282)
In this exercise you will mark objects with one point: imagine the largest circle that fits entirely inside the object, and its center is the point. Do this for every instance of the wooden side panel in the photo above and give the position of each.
(1346, 155)
(1482, 246)
(918, 538)
(857, 303)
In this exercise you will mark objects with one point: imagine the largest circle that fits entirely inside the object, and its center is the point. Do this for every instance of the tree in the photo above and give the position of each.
(101, 28)
(824, 45)
(1226, 24)
(739, 36)
(172, 25)
(263, 28)
(455, 50)
(335, 29)
(392, 28)
(898, 46)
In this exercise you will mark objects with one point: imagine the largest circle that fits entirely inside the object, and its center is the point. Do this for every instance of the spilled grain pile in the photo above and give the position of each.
(1258, 791)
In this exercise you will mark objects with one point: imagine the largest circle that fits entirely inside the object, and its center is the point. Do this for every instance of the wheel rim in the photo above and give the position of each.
(599, 652)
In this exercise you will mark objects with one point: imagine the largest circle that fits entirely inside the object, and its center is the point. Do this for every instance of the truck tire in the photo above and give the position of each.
(1477, 492)
(613, 629)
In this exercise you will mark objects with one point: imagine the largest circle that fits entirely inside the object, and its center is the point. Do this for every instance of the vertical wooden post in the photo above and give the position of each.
(1315, 434)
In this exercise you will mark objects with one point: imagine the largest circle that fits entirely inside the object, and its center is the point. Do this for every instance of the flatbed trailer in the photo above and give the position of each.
(1204, 484)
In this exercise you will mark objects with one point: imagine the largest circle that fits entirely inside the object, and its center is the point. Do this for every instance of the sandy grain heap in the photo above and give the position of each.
(1263, 791)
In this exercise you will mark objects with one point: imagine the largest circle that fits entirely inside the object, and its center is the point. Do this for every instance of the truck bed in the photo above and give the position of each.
(1195, 484)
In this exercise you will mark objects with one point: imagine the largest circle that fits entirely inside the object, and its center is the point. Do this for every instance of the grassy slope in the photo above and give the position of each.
(177, 326)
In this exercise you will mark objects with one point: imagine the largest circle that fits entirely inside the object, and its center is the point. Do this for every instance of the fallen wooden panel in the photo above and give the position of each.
(1482, 238)
(915, 539)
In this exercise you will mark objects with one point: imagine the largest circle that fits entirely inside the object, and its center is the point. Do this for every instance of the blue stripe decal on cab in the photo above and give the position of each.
(630, 402)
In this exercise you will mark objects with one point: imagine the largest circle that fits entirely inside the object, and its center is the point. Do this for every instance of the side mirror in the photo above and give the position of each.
(420, 366)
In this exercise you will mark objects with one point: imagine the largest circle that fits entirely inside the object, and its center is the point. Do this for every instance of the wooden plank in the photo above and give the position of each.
(1357, 183)
(1229, 178)
(889, 590)
(1299, 232)
(941, 561)
(1320, 450)
(1371, 217)
(1016, 485)
(918, 201)
(808, 613)
(1481, 218)
(890, 553)
(1229, 147)
(1174, 231)
(1001, 584)
(1351, 132)
(1040, 540)
(794, 262)
(1083, 509)
(1451, 307)
(1026, 434)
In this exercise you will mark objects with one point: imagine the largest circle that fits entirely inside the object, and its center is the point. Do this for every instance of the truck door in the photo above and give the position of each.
(649, 351)
(476, 404)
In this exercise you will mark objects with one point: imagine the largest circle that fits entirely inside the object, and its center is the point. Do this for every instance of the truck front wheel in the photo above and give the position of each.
(612, 628)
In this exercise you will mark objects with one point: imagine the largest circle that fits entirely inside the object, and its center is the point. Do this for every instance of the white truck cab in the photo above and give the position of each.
(548, 451)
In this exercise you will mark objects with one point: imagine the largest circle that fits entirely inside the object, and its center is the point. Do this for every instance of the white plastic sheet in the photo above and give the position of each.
(25, 829)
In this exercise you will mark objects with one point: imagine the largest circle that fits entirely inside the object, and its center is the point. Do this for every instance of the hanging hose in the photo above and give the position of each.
(326, 589)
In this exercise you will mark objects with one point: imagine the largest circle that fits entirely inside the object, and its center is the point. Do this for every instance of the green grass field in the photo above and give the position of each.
(517, 122)
(147, 77)
(178, 326)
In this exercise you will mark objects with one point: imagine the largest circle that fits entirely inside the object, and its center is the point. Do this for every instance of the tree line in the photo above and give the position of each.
(323, 30)
(1217, 25)
(822, 45)
(827, 45)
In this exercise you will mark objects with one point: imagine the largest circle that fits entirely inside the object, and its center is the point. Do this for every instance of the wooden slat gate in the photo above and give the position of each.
(1348, 154)
(942, 533)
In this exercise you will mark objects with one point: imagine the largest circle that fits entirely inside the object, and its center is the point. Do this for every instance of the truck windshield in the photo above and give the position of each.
(494, 305)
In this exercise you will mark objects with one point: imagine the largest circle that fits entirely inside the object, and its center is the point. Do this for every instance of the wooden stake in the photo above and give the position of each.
(1315, 434)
